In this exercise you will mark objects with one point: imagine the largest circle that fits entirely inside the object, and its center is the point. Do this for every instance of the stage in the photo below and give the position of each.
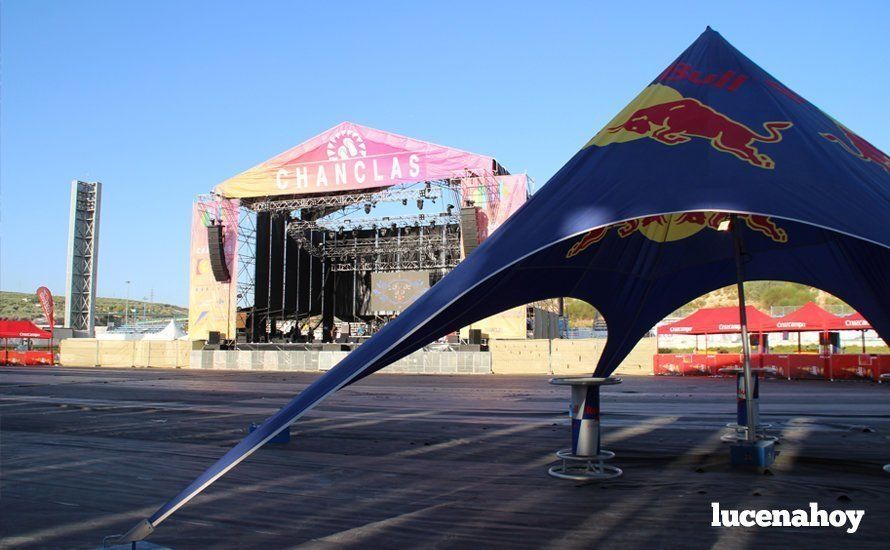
(408, 461)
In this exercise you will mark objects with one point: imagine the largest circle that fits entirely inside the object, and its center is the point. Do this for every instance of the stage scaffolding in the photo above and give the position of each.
(246, 257)
(359, 232)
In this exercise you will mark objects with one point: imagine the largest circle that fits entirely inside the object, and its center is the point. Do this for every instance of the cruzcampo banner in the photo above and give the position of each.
(212, 303)
(46, 302)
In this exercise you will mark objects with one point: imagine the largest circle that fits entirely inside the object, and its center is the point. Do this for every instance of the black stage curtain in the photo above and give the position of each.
(261, 277)
(276, 268)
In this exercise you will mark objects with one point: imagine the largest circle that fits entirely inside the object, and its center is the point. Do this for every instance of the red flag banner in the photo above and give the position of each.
(46, 300)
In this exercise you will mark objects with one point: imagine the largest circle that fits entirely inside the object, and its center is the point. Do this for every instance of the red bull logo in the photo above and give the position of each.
(859, 148)
(589, 239)
(673, 227)
(663, 114)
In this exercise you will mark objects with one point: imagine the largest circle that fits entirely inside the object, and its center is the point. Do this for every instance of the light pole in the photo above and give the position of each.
(127, 305)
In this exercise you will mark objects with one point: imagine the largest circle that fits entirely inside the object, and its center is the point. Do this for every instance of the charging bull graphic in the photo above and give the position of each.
(663, 114)
(859, 148)
(673, 227)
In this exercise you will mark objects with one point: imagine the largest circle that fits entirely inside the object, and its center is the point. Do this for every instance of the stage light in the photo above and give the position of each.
(368, 208)
(340, 232)
(450, 208)
(420, 204)
(404, 202)
(394, 226)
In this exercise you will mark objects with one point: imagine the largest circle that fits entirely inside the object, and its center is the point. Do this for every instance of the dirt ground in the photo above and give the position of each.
(425, 461)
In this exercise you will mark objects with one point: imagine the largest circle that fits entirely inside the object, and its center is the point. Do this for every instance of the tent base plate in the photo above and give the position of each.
(584, 468)
(738, 433)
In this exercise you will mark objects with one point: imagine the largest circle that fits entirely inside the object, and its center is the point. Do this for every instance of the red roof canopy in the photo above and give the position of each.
(718, 320)
(723, 320)
(853, 322)
(808, 317)
(21, 329)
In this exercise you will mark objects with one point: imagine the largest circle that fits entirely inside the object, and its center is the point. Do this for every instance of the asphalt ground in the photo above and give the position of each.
(425, 461)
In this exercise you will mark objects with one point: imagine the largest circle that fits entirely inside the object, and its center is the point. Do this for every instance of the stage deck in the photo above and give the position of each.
(406, 461)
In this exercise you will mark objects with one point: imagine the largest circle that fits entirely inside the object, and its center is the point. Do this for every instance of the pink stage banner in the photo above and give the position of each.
(497, 198)
(212, 303)
(353, 157)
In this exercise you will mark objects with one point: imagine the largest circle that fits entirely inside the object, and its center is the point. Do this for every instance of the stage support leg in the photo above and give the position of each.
(327, 306)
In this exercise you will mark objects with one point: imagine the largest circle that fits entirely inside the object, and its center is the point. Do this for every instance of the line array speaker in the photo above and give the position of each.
(468, 229)
(217, 252)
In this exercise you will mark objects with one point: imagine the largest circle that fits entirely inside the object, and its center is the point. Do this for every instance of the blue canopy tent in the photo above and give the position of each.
(630, 223)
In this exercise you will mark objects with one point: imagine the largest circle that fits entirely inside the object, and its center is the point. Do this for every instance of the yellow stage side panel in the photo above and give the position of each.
(116, 353)
(78, 352)
(507, 325)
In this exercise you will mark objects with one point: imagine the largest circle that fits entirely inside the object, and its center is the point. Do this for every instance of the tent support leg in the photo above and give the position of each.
(751, 452)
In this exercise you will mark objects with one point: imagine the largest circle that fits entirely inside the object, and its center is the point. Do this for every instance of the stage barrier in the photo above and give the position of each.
(89, 352)
(854, 367)
(26, 358)
(563, 357)
(793, 366)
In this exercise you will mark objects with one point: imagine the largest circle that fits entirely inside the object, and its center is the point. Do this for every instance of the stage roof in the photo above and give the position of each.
(632, 223)
(718, 320)
(350, 157)
(12, 328)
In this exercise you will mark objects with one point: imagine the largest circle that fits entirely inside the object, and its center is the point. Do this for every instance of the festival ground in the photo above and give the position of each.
(407, 461)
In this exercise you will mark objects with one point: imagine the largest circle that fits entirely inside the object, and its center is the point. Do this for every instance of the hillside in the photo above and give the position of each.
(19, 305)
(762, 294)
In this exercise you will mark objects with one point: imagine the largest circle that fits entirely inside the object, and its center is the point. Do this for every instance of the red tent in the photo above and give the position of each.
(719, 320)
(21, 329)
(810, 317)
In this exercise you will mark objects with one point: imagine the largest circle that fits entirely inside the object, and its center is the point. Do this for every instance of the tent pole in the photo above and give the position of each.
(862, 332)
(743, 322)
(798, 342)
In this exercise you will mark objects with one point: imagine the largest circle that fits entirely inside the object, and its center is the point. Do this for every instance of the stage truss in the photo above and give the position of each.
(351, 239)
(371, 230)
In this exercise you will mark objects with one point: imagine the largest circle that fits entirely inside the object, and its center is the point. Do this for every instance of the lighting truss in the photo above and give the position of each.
(384, 223)
(389, 194)
(423, 247)
(381, 265)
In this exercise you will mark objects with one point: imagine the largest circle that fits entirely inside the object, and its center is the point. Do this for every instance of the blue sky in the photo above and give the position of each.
(162, 100)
